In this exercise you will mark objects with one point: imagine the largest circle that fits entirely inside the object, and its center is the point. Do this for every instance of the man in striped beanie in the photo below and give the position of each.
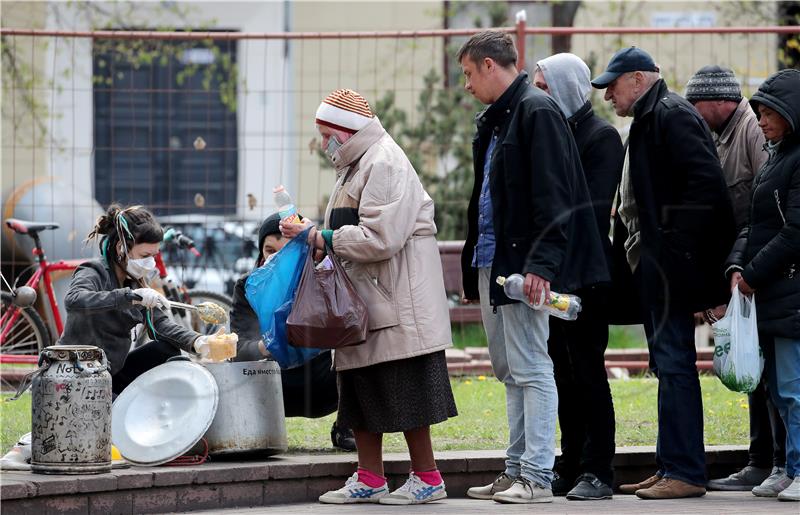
(340, 115)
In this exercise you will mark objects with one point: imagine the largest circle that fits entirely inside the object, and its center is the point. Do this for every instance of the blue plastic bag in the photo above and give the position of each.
(270, 290)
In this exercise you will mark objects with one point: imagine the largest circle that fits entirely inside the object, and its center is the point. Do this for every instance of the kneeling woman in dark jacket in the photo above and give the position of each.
(766, 260)
(309, 390)
(108, 297)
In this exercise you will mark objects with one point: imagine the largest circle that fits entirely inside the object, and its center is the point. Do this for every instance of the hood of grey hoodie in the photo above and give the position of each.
(568, 79)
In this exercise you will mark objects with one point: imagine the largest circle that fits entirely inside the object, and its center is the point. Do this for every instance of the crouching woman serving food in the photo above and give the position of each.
(380, 224)
(109, 296)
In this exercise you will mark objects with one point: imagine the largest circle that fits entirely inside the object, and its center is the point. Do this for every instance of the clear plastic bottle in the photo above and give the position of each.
(559, 305)
(286, 207)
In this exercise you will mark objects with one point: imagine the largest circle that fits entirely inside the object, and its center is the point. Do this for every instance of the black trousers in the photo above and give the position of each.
(585, 407)
(310, 390)
(139, 361)
(767, 431)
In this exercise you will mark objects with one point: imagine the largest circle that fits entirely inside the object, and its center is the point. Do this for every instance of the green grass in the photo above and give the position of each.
(619, 336)
(481, 423)
(626, 337)
(468, 335)
(15, 420)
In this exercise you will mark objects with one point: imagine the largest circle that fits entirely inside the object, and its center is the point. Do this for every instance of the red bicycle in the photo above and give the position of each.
(23, 332)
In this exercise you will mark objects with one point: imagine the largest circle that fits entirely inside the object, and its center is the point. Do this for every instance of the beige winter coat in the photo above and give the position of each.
(741, 151)
(391, 255)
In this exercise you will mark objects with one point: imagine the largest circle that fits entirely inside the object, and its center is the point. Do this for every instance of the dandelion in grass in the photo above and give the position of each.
(481, 378)
(467, 382)
(744, 406)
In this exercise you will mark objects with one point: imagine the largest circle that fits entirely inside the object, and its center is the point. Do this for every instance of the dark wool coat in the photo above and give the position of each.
(542, 212)
(685, 214)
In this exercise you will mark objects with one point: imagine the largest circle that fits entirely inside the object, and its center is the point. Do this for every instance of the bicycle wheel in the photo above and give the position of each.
(29, 334)
(198, 296)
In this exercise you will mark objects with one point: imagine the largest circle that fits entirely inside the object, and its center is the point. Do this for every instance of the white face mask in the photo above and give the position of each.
(139, 268)
(333, 146)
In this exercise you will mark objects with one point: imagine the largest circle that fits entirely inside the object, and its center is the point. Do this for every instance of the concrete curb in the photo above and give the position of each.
(280, 480)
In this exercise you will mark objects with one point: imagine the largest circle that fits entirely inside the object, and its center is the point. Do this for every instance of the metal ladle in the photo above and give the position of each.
(208, 312)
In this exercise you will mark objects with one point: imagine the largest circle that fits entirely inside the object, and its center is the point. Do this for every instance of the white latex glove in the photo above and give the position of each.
(151, 298)
(202, 346)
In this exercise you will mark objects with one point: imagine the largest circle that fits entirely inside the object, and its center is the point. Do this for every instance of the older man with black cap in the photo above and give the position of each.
(676, 224)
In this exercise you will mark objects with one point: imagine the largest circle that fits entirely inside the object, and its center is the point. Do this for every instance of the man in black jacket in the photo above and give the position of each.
(585, 407)
(530, 211)
(676, 224)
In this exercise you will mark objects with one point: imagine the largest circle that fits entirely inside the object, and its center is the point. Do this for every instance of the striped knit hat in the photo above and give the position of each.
(713, 83)
(344, 109)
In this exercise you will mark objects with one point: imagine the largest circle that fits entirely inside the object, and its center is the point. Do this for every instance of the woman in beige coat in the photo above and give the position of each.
(379, 222)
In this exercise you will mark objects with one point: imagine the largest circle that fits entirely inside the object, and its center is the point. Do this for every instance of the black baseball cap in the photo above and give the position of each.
(629, 59)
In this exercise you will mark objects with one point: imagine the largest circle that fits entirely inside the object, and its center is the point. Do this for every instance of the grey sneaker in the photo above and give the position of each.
(501, 483)
(354, 491)
(742, 481)
(523, 491)
(777, 482)
(415, 491)
(590, 488)
(791, 492)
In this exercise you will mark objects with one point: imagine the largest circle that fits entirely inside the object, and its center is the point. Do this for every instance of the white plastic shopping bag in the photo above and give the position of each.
(738, 361)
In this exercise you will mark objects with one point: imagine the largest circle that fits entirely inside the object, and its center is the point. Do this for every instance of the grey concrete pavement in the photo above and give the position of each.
(714, 502)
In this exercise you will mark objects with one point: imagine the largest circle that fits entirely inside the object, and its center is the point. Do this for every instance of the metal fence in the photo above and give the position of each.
(200, 126)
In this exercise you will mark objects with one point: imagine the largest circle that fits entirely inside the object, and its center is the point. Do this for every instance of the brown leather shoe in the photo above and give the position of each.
(670, 488)
(630, 489)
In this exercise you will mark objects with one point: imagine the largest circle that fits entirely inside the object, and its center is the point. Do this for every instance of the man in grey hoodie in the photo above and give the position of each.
(585, 408)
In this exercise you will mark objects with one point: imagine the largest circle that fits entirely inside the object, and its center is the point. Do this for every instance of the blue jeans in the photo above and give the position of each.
(517, 338)
(782, 368)
(679, 448)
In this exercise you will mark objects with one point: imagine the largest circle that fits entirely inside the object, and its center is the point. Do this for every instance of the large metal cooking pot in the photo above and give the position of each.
(250, 416)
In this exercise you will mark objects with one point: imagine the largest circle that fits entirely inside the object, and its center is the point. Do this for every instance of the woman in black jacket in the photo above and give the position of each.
(766, 259)
(308, 390)
(108, 297)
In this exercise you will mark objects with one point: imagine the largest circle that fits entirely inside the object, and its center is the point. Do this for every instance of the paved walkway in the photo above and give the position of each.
(715, 502)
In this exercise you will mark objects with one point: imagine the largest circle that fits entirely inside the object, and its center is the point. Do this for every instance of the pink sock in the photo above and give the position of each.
(432, 477)
(370, 479)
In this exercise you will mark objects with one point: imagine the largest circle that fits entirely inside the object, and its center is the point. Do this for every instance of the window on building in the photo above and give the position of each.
(164, 135)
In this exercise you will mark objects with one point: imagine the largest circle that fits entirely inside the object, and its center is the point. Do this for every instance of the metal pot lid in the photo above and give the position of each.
(163, 413)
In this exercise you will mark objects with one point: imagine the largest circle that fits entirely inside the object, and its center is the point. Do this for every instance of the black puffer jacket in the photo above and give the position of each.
(768, 249)
(543, 218)
(244, 322)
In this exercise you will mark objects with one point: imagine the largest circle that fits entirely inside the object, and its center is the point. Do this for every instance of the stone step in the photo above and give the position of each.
(221, 484)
